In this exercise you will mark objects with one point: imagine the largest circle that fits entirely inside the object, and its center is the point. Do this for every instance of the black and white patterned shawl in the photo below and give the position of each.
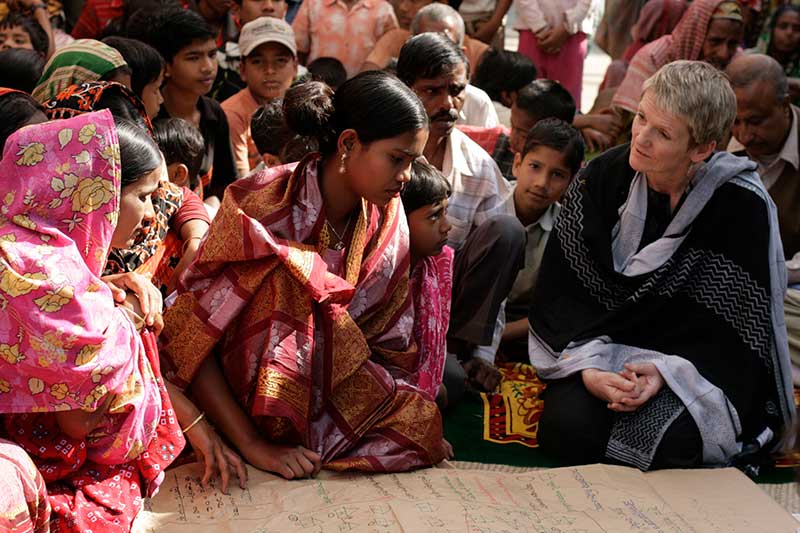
(704, 303)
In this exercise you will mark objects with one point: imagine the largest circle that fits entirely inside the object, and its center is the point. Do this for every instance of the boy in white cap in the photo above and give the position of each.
(269, 65)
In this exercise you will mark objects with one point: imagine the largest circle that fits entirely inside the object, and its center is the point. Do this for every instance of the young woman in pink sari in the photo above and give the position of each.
(295, 319)
(86, 426)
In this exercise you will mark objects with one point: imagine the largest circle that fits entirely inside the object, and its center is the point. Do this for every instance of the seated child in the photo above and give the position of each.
(147, 71)
(182, 146)
(268, 68)
(538, 100)
(18, 30)
(328, 70)
(229, 81)
(346, 31)
(20, 69)
(276, 143)
(425, 200)
(552, 155)
(188, 45)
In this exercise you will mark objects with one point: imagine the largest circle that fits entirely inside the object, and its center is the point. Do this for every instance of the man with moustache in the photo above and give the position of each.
(767, 130)
(488, 239)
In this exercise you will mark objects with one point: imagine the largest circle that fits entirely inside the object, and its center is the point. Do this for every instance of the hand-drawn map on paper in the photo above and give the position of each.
(585, 499)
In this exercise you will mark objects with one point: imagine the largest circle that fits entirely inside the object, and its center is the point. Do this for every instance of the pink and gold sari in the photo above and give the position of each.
(308, 350)
(63, 343)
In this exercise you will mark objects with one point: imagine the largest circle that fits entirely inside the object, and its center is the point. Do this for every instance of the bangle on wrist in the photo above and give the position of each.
(39, 5)
(194, 422)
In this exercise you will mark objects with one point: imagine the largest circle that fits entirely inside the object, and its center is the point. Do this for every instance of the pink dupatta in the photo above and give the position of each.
(63, 343)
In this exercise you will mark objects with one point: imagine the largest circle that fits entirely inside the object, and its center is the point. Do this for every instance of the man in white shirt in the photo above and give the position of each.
(489, 241)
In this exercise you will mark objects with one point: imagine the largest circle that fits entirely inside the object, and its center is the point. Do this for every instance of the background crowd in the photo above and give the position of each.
(293, 234)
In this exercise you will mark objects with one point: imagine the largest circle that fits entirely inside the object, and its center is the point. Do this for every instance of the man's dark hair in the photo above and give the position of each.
(427, 187)
(170, 30)
(560, 136)
(145, 62)
(38, 36)
(503, 70)
(545, 99)
(427, 56)
(329, 70)
(181, 142)
(20, 69)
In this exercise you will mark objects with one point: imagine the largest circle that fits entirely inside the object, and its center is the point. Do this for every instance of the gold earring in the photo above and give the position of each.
(342, 167)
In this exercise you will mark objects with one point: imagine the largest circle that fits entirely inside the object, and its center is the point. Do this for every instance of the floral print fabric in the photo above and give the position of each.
(63, 343)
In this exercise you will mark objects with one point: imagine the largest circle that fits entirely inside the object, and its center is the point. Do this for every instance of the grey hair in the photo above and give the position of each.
(753, 68)
(698, 93)
(437, 12)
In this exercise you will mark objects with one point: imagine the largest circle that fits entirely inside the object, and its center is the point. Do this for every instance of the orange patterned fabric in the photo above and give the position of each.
(307, 347)
(512, 414)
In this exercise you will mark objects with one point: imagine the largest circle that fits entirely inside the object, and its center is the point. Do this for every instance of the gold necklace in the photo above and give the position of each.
(339, 246)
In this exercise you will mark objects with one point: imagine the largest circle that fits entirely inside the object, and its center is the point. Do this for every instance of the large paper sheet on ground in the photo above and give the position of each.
(586, 499)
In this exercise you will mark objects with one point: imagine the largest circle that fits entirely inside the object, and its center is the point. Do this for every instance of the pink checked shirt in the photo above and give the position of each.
(326, 28)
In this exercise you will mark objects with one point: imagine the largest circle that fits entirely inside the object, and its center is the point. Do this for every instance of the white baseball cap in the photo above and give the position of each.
(266, 30)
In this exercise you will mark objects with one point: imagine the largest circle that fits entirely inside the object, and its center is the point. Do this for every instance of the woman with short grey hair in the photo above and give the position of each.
(659, 317)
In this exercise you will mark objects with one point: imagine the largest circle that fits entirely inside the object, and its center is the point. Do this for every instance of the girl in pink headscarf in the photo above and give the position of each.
(80, 388)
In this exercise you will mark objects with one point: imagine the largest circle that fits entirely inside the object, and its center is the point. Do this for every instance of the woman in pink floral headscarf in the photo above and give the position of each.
(80, 388)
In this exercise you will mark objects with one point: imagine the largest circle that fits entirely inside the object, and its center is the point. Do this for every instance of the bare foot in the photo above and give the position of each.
(482, 375)
(288, 461)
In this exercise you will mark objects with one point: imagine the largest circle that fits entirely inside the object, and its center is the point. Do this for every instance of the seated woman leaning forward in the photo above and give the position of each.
(293, 326)
(660, 330)
(81, 396)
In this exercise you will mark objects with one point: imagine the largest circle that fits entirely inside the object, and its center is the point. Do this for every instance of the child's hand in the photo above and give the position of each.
(550, 40)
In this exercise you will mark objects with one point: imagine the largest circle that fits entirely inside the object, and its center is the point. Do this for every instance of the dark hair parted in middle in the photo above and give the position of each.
(428, 56)
(145, 62)
(559, 135)
(375, 104)
(427, 187)
(138, 152)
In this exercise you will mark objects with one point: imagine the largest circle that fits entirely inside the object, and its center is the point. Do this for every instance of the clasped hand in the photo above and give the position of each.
(625, 391)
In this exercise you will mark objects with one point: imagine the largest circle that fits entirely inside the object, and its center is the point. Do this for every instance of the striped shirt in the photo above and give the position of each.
(480, 191)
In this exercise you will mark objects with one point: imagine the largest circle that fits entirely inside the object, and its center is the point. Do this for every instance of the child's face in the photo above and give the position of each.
(521, 124)
(428, 227)
(542, 177)
(15, 37)
(151, 96)
(194, 68)
(252, 9)
(269, 71)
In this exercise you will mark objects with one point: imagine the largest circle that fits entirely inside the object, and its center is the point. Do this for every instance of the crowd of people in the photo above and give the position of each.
(293, 234)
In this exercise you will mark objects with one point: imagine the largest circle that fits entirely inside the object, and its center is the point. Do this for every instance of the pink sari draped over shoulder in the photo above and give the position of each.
(64, 345)
(308, 352)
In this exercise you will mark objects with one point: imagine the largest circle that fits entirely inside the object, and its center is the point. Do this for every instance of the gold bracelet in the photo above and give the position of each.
(194, 422)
